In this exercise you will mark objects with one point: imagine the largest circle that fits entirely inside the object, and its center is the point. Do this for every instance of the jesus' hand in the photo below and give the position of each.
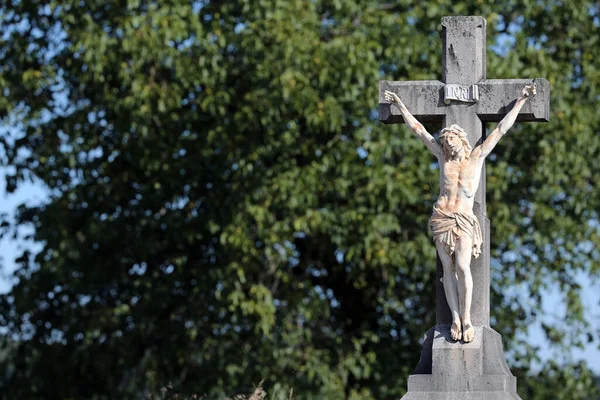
(392, 97)
(528, 91)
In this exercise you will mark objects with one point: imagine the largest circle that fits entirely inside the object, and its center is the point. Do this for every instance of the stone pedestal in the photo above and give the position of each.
(451, 370)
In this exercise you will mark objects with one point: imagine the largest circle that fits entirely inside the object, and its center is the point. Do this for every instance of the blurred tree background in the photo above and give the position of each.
(224, 206)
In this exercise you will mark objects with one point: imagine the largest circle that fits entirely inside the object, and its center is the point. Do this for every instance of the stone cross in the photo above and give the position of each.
(449, 369)
(465, 97)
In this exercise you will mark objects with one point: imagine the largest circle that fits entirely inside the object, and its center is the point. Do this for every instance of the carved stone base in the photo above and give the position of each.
(456, 370)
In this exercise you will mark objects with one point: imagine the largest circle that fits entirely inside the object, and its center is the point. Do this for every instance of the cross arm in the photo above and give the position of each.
(499, 96)
(424, 100)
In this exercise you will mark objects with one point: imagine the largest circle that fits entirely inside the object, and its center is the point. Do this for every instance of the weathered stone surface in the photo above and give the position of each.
(425, 100)
(458, 370)
(464, 49)
(496, 95)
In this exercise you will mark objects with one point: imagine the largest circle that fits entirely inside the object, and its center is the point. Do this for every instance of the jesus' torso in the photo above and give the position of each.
(459, 180)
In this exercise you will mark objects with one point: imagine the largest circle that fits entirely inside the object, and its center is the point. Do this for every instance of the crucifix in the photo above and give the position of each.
(463, 101)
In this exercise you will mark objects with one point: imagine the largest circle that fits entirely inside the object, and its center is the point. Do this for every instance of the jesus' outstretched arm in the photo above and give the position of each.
(507, 122)
(415, 125)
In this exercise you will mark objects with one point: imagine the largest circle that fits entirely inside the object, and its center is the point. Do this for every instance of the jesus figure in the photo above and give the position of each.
(454, 226)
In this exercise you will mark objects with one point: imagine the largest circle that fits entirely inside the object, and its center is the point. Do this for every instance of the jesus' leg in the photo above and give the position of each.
(451, 290)
(462, 258)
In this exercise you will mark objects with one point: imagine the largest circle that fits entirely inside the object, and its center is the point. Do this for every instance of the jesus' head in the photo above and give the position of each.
(454, 142)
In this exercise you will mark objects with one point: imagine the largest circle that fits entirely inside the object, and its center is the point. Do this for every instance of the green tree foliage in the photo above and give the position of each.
(225, 207)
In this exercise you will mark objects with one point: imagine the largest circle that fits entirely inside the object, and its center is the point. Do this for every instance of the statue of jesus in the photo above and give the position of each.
(454, 226)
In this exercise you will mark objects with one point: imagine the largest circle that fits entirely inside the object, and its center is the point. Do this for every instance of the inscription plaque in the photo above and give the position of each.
(465, 93)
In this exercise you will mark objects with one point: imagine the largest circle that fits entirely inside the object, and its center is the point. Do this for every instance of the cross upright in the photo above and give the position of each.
(465, 97)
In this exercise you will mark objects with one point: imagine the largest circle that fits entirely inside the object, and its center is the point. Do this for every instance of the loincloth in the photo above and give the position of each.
(446, 227)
